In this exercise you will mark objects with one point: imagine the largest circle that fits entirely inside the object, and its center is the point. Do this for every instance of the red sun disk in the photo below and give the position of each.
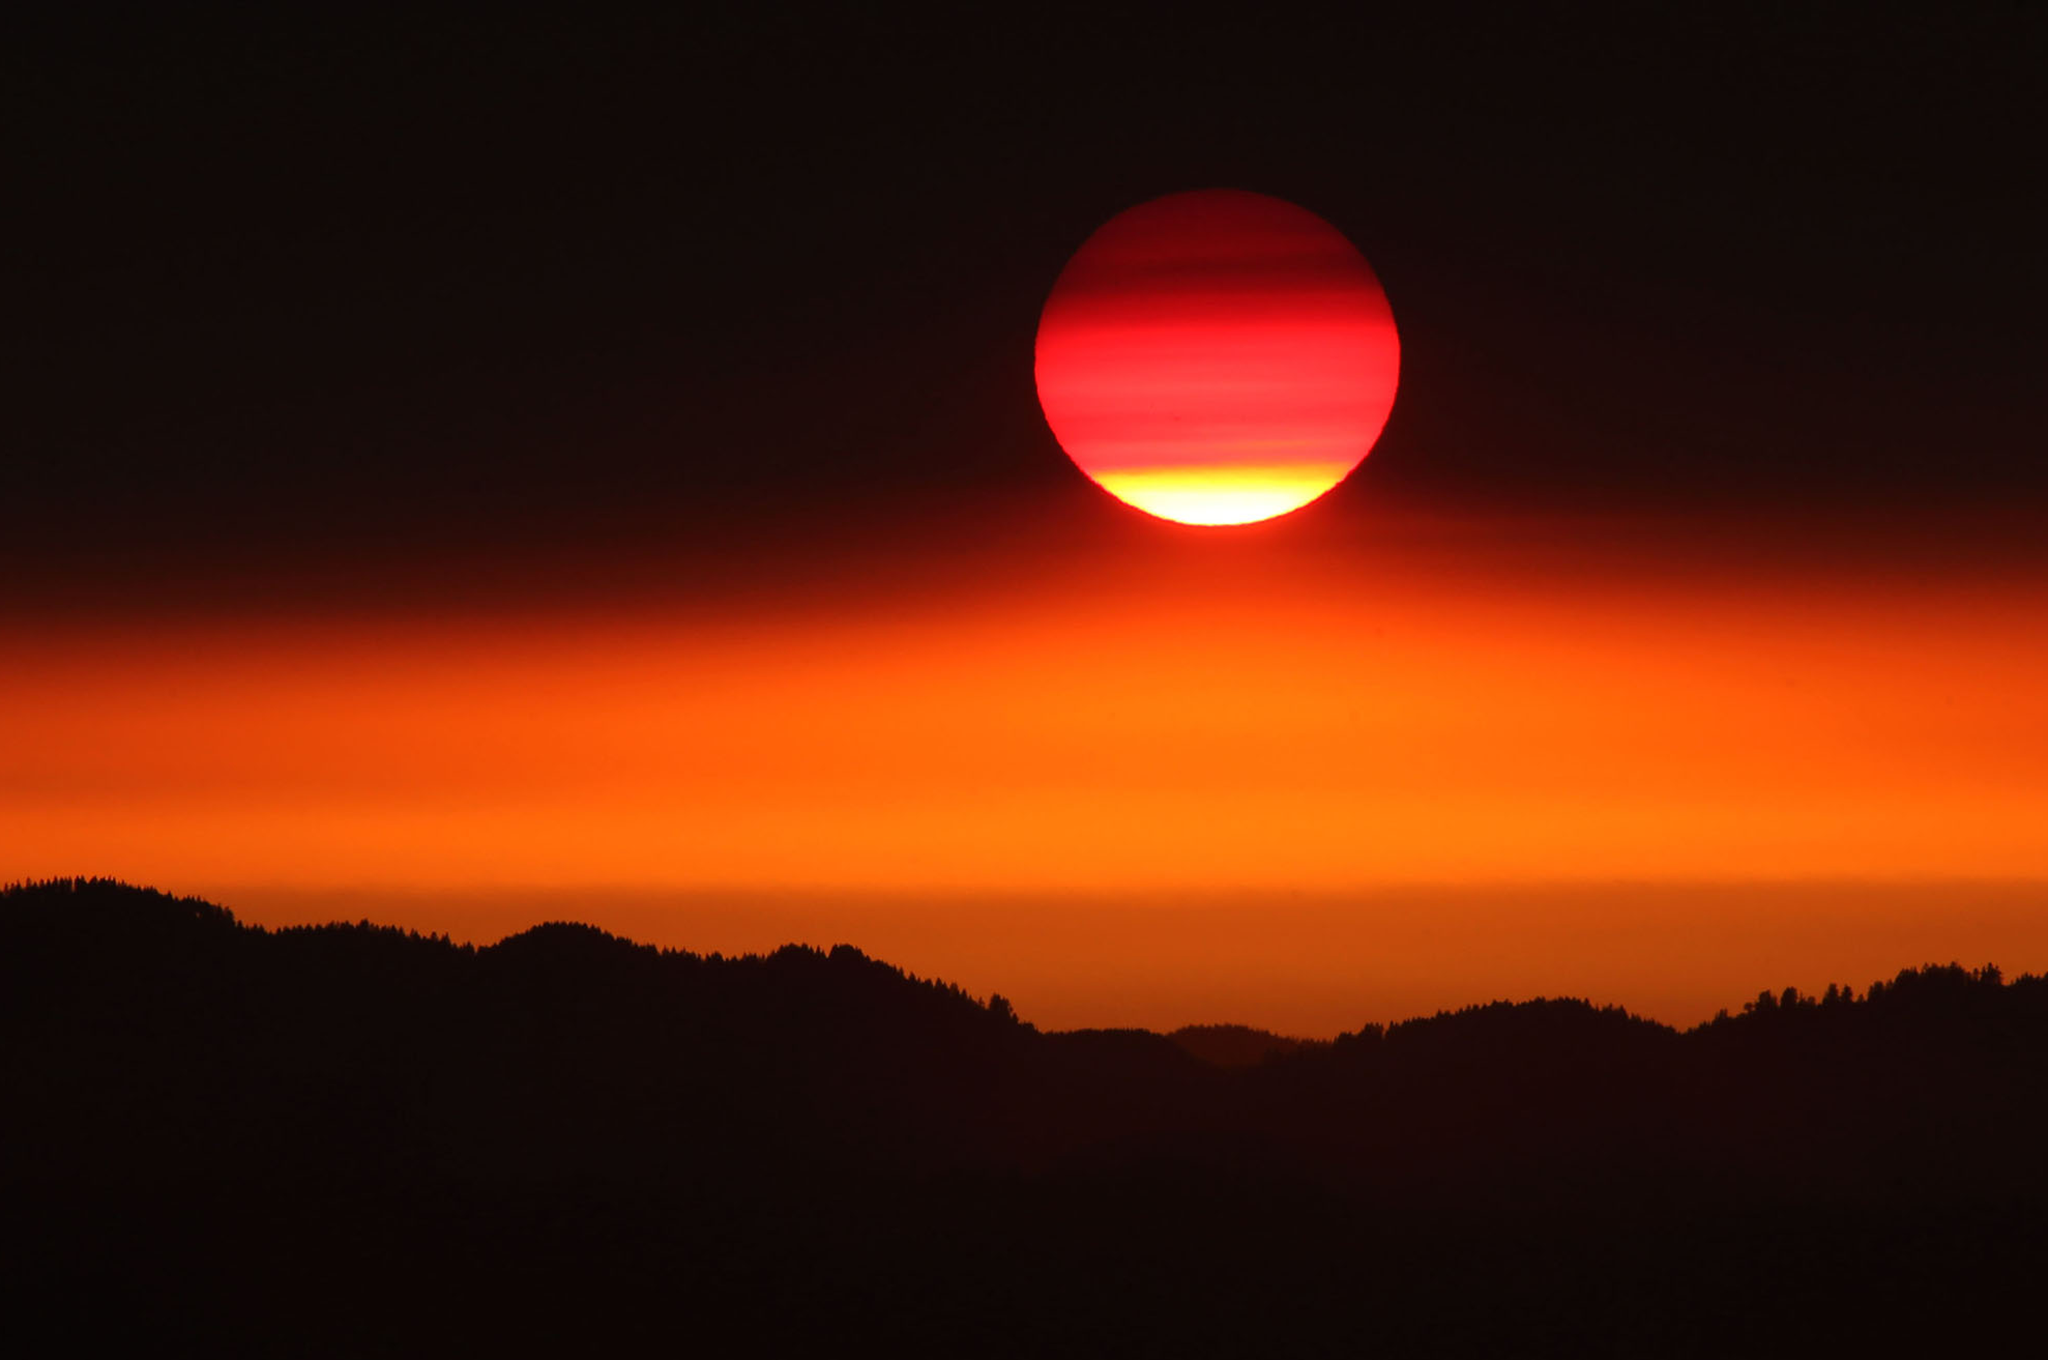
(1217, 357)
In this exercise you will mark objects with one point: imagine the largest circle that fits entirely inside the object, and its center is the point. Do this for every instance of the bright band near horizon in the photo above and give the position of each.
(1217, 357)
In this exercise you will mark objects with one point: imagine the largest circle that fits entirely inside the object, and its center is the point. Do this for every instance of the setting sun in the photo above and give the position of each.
(1217, 357)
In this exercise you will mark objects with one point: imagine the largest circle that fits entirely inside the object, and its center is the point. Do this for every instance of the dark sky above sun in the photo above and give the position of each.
(293, 292)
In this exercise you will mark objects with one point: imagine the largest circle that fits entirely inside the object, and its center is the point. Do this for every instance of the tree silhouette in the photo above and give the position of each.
(387, 1140)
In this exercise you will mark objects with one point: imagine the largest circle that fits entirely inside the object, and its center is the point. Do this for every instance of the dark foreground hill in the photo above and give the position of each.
(353, 1139)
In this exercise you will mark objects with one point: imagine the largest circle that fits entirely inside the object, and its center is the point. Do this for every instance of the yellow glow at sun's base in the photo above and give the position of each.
(1215, 495)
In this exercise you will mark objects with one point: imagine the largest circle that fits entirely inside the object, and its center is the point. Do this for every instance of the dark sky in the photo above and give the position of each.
(286, 292)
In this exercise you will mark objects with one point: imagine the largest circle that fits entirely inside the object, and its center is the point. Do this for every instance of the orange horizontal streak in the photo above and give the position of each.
(1285, 730)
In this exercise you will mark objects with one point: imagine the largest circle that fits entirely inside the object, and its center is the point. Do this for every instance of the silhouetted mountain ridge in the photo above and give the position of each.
(570, 1096)
(1235, 1045)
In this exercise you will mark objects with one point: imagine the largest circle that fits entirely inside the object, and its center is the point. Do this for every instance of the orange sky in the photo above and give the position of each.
(1195, 733)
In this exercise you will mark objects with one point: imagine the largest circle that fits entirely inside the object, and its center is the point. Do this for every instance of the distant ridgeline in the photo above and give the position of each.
(237, 1131)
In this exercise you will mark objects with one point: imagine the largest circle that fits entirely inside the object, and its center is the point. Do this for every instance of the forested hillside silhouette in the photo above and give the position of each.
(352, 1137)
